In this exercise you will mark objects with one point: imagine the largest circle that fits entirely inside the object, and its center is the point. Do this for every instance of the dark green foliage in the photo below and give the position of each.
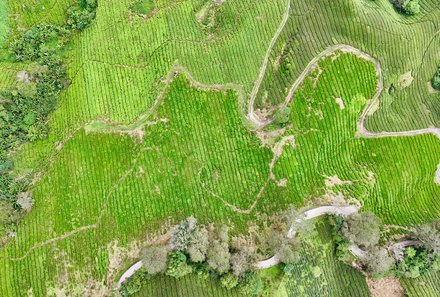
(142, 7)
(36, 42)
(135, 283)
(435, 82)
(177, 265)
(417, 262)
(282, 115)
(24, 110)
(409, 7)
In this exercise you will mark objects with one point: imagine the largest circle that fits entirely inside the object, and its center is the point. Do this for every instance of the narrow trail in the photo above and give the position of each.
(251, 114)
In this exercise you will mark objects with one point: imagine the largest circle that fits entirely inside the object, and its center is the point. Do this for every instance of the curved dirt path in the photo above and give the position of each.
(251, 114)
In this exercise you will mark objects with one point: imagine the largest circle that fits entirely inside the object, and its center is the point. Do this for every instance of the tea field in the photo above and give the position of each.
(153, 128)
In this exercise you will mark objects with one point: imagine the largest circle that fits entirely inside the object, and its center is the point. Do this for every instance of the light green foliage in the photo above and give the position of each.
(189, 152)
(411, 7)
(177, 266)
(229, 281)
(154, 259)
(218, 255)
(4, 24)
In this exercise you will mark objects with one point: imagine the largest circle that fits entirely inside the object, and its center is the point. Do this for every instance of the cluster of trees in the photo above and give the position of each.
(25, 108)
(409, 7)
(435, 82)
(364, 231)
(209, 251)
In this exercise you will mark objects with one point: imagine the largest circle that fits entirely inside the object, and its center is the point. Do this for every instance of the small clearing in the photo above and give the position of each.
(331, 181)
(340, 102)
(385, 287)
(406, 79)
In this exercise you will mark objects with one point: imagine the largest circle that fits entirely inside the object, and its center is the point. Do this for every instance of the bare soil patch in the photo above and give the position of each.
(406, 79)
(385, 287)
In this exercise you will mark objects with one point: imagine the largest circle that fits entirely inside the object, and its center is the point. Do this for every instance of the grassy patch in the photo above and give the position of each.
(142, 7)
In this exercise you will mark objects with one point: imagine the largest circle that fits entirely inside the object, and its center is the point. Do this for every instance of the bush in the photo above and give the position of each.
(154, 259)
(142, 7)
(410, 7)
(135, 283)
(435, 82)
(229, 281)
(182, 235)
(253, 285)
(177, 266)
(417, 262)
(282, 115)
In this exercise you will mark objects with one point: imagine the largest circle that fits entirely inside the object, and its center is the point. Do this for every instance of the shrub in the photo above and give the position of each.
(282, 115)
(435, 82)
(142, 7)
(135, 283)
(154, 259)
(417, 262)
(229, 281)
(177, 265)
(182, 235)
(253, 285)
(410, 7)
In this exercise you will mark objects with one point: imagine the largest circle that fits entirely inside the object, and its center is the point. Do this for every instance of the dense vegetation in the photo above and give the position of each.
(436, 80)
(25, 109)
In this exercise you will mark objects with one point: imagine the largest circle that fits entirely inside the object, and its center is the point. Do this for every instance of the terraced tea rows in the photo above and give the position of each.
(193, 155)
